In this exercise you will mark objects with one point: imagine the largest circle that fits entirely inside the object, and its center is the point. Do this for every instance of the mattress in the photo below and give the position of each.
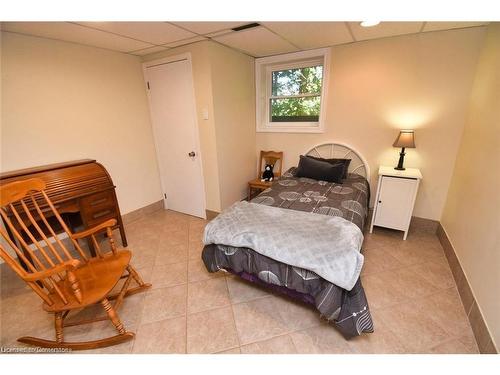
(347, 310)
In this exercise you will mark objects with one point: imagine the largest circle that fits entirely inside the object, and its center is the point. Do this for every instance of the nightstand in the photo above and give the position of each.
(395, 198)
(258, 185)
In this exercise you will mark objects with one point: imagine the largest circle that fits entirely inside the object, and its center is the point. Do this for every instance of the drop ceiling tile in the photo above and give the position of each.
(152, 32)
(70, 32)
(257, 42)
(312, 34)
(219, 33)
(147, 51)
(185, 41)
(384, 29)
(434, 26)
(209, 27)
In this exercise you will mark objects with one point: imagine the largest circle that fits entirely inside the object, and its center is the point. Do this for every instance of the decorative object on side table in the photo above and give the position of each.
(405, 139)
(270, 166)
(395, 198)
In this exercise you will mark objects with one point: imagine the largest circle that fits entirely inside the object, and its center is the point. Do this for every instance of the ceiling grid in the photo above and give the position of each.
(266, 38)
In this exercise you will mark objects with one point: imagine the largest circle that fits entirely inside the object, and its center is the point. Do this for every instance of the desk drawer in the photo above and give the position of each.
(99, 207)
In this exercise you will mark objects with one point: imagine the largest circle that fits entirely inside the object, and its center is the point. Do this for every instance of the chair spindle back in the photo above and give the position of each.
(26, 210)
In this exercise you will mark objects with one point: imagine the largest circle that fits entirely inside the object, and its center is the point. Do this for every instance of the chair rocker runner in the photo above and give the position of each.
(66, 279)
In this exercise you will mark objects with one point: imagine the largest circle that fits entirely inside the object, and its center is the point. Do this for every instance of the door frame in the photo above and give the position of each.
(167, 60)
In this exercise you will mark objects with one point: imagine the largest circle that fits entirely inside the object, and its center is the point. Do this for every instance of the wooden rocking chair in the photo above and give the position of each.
(65, 280)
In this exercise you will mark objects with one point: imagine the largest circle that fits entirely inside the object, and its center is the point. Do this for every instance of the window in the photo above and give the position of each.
(296, 94)
(290, 91)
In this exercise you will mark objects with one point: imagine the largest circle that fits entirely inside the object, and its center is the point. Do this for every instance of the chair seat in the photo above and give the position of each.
(261, 184)
(96, 279)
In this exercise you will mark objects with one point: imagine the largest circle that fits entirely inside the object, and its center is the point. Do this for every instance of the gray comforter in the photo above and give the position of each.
(328, 246)
(347, 309)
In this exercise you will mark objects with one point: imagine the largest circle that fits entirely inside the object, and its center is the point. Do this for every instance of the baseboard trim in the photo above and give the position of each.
(211, 214)
(422, 225)
(141, 212)
(483, 337)
(417, 224)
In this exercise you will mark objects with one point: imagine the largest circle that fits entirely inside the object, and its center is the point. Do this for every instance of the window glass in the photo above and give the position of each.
(296, 94)
(295, 109)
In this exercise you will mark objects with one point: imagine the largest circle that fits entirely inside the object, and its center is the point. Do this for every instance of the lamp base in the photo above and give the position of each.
(401, 160)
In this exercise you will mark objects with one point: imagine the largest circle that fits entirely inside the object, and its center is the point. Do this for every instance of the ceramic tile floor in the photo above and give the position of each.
(412, 295)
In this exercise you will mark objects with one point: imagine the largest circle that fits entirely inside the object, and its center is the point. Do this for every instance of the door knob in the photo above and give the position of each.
(192, 154)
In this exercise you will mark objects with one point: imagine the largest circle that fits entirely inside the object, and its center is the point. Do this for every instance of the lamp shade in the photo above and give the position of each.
(406, 138)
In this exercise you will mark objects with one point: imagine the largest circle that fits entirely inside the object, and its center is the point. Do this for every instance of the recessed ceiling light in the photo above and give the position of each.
(369, 23)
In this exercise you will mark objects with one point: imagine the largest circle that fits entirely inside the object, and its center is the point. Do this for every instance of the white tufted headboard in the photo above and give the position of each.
(342, 151)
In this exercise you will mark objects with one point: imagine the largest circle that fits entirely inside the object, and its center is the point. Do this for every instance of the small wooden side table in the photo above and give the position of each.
(258, 185)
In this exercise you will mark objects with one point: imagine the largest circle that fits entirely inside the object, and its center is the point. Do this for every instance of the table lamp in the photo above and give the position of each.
(405, 139)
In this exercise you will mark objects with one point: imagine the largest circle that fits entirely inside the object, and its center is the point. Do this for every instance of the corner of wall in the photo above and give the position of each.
(470, 215)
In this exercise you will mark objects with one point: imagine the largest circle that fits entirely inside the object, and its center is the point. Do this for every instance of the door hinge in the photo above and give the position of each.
(149, 88)
(165, 195)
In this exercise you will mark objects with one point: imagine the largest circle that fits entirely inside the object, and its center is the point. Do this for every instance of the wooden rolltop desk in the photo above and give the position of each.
(81, 190)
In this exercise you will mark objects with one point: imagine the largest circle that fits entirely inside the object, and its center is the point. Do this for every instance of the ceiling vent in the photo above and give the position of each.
(247, 26)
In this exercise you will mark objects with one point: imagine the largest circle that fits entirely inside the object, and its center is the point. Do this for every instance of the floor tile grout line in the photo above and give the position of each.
(267, 338)
(288, 331)
(223, 350)
(409, 300)
(416, 263)
(440, 290)
(450, 336)
(252, 300)
(406, 267)
(280, 335)
(233, 314)
(187, 293)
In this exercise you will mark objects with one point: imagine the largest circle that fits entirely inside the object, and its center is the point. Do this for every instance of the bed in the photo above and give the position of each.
(346, 309)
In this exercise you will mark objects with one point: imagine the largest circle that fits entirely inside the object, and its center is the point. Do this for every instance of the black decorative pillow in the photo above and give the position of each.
(319, 170)
(334, 161)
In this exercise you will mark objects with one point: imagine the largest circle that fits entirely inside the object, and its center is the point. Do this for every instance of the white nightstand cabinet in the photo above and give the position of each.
(395, 198)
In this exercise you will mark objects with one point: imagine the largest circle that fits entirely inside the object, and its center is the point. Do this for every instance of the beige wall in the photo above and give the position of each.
(224, 85)
(233, 84)
(471, 217)
(63, 101)
(376, 87)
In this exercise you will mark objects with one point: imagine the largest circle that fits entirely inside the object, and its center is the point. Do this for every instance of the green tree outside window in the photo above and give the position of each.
(296, 94)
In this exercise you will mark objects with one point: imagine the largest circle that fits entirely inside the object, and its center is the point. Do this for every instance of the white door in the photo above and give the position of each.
(173, 113)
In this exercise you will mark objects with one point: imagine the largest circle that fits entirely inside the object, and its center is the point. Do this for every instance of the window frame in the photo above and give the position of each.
(263, 85)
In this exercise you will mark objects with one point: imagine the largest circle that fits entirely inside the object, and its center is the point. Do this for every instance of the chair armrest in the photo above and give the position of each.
(69, 265)
(85, 233)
